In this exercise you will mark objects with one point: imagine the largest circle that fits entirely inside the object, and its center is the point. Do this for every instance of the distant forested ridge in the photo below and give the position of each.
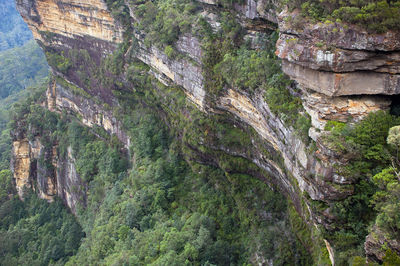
(22, 64)
(13, 30)
(21, 67)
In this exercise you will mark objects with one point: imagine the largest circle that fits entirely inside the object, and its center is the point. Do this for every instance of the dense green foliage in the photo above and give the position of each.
(248, 69)
(376, 15)
(165, 21)
(288, 107)
(386, 201)
(21, 67)
(185, 194)
(363, 145)
(159, 210)
(5, 149)
(5, 138)
(34, 232)
(163, 212)
(155, 208)
(156, 190)
(229, 62)
(13, 30)
(59, 61)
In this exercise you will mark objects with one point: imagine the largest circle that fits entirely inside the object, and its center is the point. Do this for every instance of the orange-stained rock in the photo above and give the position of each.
(70, 18)
(21, 165)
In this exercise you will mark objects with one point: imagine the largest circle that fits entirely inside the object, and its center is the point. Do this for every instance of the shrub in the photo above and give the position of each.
(165, 21)
(59, 61)
(169, 51)
(374, 15)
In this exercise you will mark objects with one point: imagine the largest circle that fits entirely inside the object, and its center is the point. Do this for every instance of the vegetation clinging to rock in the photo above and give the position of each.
(375, 15)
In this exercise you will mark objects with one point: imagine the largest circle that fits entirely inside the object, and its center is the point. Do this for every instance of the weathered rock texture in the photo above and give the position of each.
(62, 26)
(323, 108)
(21, 165)
(70, 18)
(183, 72)
(92, 114)
(283, 140)
(335, 59)
(30, 157)
(69, 185)
(375, 242)
(341, 72)
(31, 169)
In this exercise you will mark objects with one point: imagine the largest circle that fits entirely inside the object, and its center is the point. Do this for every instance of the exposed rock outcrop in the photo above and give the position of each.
(31, 158)
(70, 18)
(92, 114)
(31, 170)
(70, 187)
(21, 165)
(334, 59)
(375, 243)
(323, 108)
(342, 74)
(182, 72)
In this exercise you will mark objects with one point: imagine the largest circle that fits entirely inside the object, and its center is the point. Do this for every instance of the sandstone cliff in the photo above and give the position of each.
(30, 164)
(342, 74)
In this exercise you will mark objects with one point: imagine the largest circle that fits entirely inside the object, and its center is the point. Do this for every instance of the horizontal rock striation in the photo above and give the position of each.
(182, 72)
(309, 174)
(342, 75)
(70, 18)
(92, 114)
(334, 59)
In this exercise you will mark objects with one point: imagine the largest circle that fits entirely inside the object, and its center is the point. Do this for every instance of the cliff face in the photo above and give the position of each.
(31, 169)
(336, 60)
(342, 74)
(21, 165)
(70, 19)
(61, 99)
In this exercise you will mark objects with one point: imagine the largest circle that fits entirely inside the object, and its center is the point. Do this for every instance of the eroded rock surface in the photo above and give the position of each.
(335, 59)
(70, 18)
(342, 74)
(21, 165)
(375, 242)
(31, 171)
(69, 184)
(61, 99)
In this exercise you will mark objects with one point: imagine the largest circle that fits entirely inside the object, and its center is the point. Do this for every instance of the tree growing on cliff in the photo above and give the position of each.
(393, 139)
(387, 200)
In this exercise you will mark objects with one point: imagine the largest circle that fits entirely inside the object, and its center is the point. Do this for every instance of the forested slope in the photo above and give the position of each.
(32, 232)
(210, 133)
